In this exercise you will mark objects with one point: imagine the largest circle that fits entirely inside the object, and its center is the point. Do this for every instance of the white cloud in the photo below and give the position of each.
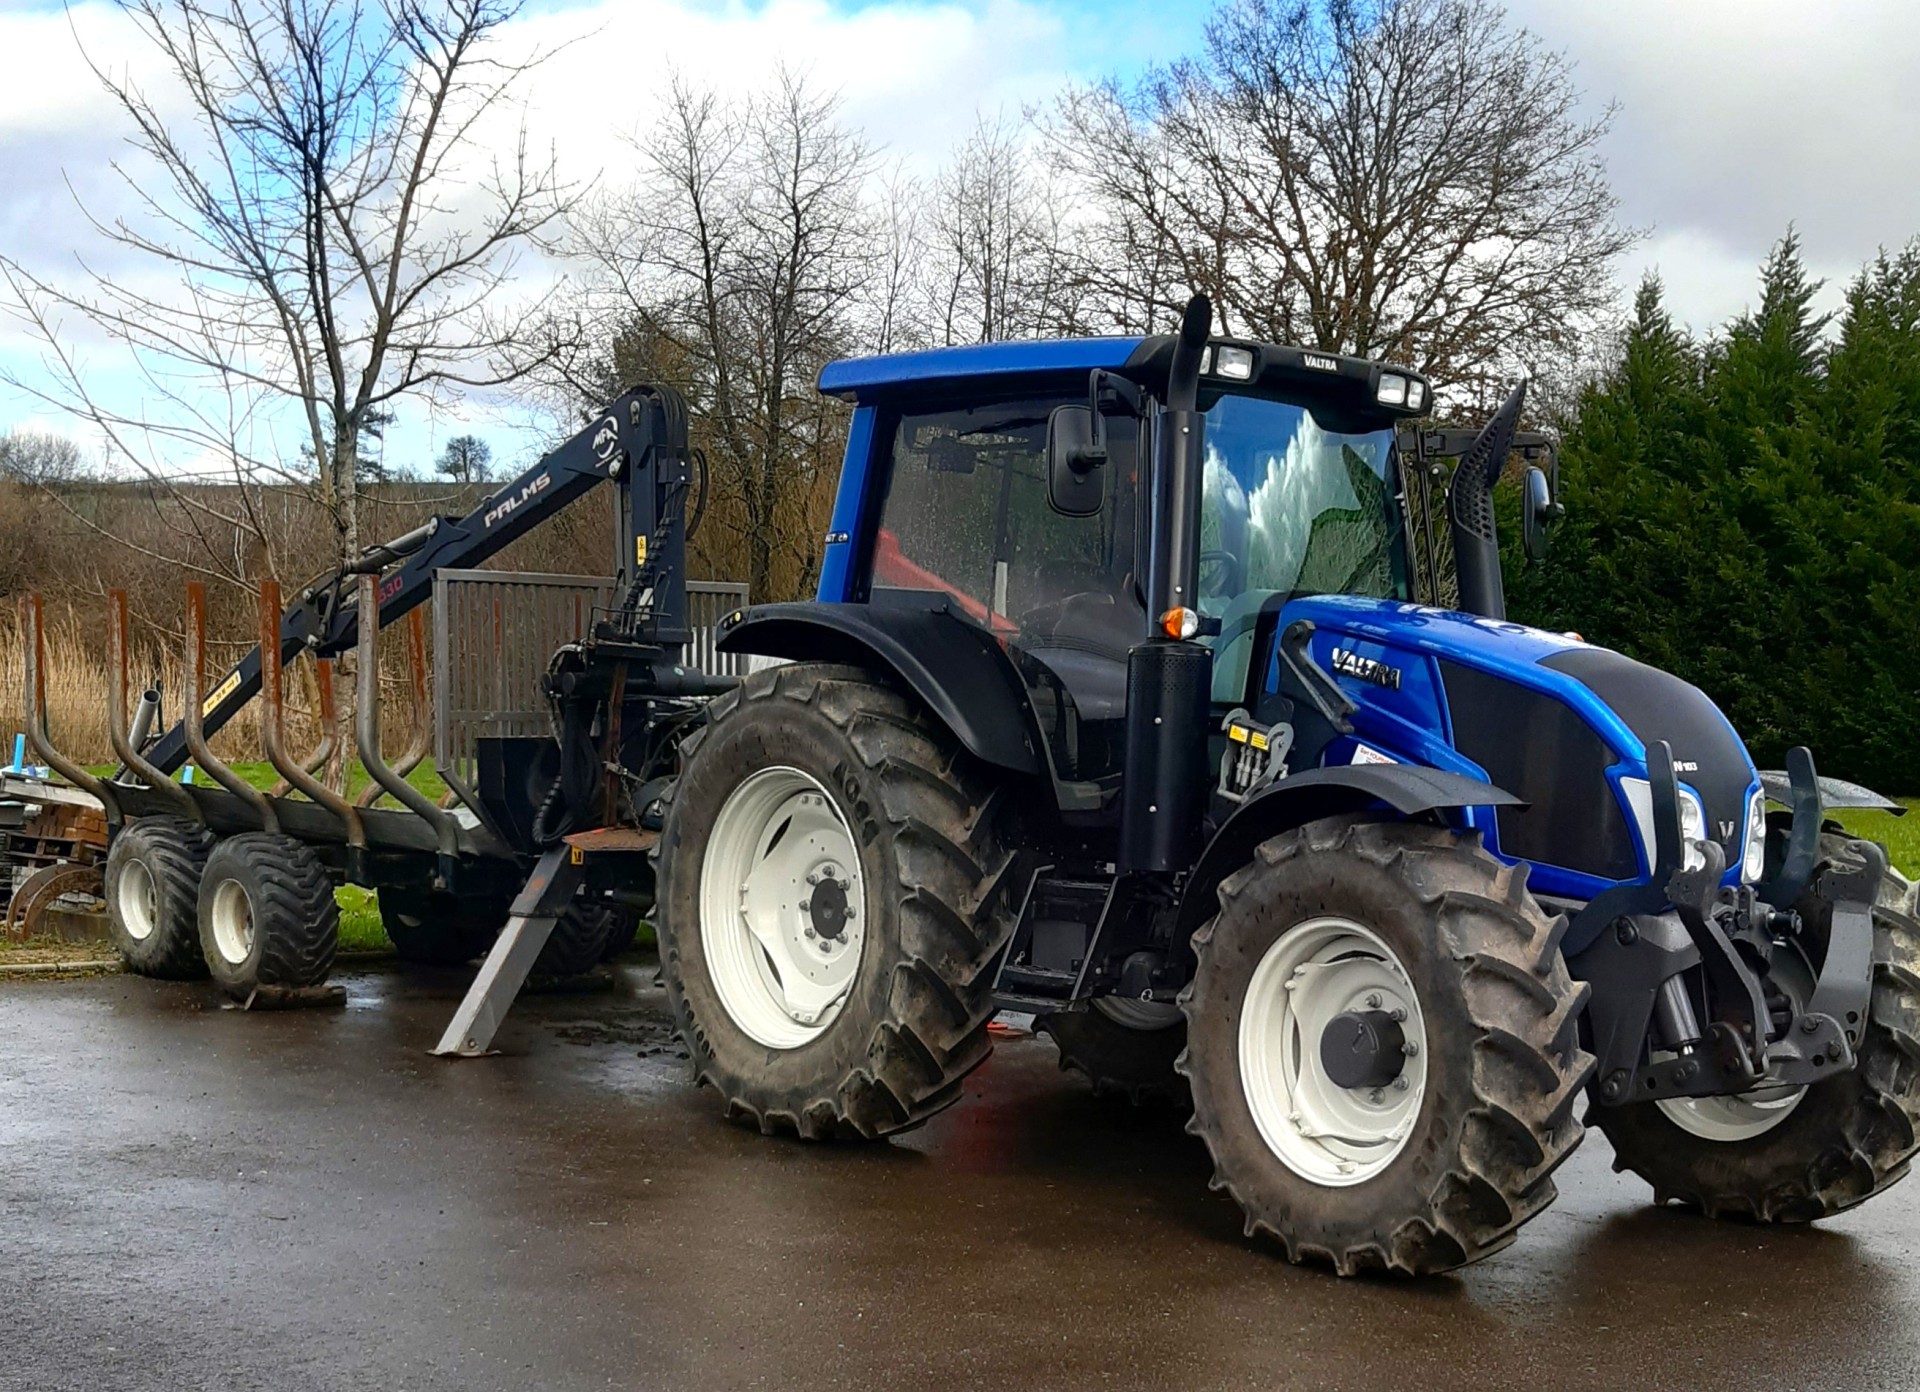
(1738, 117)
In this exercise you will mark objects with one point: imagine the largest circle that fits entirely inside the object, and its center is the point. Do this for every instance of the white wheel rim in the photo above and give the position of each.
(1732, 1119)
(1325, 1133)
(782, 972)
(232, 916)
(1143, 1015)
(139, 900)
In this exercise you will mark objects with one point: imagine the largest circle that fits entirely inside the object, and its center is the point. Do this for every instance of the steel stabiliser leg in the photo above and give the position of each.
(548, 890)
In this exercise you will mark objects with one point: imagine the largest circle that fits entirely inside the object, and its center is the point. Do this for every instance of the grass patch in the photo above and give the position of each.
(260, 774)
(360, 927)
(1900, 835)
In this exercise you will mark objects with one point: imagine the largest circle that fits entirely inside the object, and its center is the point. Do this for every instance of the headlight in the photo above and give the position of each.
(1392, 390)
(1753, 864)
(1693, 830)
(1234, 363)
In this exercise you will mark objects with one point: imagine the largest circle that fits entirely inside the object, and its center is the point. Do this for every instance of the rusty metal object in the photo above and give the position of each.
(117, 725)
(33, 640)
(325, 761)
(422, 740)
(40, 891)
(273, 733)
(613, 839)
(366, 721)
(193, 714)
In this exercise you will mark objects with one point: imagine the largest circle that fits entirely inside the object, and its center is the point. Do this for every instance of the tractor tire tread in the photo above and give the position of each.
(1526, 1064)
(954, 921)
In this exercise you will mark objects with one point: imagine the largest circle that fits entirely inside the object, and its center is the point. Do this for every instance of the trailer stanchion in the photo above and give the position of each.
(422, 739)
(192, 714)
(547, 893)
(126, 741)
(33, 640)
(273, 735)
(366, 726)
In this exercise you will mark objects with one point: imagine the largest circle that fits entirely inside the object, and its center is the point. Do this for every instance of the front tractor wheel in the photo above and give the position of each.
(1792, 1155)
(831, 901)
(1383, 1045)
(267, 915)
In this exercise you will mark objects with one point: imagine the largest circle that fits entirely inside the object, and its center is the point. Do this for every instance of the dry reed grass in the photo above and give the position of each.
(77, 681)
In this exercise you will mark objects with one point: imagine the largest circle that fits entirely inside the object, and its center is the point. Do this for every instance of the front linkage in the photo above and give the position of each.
(1763, 1018)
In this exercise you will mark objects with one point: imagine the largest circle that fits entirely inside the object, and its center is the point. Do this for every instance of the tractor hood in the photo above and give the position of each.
(1543, 714)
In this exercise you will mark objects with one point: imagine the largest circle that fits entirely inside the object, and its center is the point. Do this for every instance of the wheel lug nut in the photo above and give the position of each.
(806, 906)
(1409, 1048)
(1401, 1084)
(1397, 1015)
(1377, 1096)
(1373, 1000)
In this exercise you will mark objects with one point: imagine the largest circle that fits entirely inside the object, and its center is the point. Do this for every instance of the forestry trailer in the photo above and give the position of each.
(1114, 706)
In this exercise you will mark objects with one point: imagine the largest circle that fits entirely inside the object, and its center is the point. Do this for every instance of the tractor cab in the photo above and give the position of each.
(1009, 486)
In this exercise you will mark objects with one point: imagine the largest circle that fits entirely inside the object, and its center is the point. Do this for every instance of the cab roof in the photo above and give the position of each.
(866, 379)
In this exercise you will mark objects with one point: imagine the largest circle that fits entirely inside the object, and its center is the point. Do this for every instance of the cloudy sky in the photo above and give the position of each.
(1735, 117)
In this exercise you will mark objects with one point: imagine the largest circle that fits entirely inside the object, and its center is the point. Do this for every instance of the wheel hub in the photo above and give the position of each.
(827, 907)
(1363, 1049)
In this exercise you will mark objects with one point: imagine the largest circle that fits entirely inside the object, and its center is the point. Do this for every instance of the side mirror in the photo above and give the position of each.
(1539, 510)
(1076, 461)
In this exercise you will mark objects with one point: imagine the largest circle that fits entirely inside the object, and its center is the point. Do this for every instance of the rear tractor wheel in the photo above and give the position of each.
(1383, 1044)
(1125, 1048)
(152, 888)
(831, 900)
(267, 914)
(1792, 1155)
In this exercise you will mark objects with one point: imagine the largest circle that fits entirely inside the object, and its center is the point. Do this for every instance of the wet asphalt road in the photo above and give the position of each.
(192, 1197)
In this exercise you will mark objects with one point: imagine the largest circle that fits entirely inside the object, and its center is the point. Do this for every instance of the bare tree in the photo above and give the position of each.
(1400, 178)
(465, 459)
(313, 235)
(733, 268)
(34, 457)
(997, 266)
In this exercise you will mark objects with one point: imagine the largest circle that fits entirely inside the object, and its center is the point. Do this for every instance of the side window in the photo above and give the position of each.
(966, 515)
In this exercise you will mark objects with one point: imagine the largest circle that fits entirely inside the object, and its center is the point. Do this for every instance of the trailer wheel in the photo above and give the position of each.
(623, 927)
(578, 940)
(832, 881)
(1792, 1156)
(267, 914)
(1383, 1043)
(1125, 1048)
(152, 888)
(435, 929)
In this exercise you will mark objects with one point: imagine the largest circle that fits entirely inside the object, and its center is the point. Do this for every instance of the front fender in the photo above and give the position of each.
(958, 671)
(1408, 789)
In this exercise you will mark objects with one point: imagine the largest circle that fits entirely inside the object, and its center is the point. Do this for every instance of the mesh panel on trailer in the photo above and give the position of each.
(494, 632)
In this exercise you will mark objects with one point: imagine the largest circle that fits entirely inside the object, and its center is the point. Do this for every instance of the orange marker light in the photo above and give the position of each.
(1179, 623)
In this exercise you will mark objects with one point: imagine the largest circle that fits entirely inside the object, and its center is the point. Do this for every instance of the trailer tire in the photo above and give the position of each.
(267, 914)
(1401, 917)
(578, 941)
(152, 889)
(1832, 1146)
(435, 929)
(1121, 1057)
(623, 928)
(920, 920)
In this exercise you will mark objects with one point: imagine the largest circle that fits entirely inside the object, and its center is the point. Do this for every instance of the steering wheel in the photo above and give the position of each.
(1225, 568)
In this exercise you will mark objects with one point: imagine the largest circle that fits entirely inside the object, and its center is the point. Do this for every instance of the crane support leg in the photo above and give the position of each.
(547, 893)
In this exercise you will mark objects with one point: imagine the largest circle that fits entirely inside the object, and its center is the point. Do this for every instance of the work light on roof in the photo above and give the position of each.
(1236, 364)
(1392, 390)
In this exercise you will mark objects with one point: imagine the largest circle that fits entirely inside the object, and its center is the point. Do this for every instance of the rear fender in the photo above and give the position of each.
(956, 669)
(1405, 790)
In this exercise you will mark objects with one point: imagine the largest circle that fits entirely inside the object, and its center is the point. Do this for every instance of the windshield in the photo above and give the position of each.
(1288, 508)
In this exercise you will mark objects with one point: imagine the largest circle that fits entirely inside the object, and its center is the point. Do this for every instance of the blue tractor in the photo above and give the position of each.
(1116, 706)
